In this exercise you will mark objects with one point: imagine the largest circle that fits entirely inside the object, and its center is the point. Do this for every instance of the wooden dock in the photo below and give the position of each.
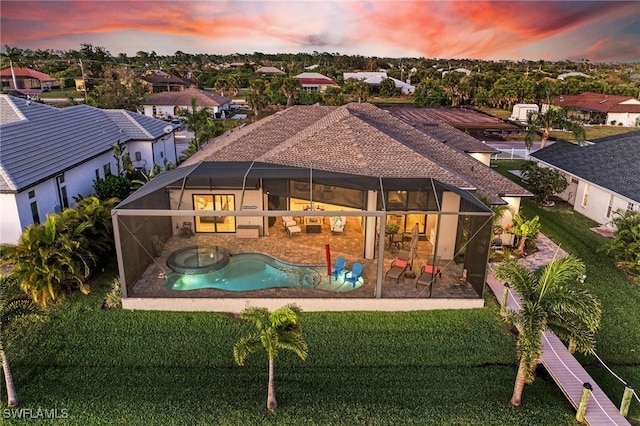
(567, 372)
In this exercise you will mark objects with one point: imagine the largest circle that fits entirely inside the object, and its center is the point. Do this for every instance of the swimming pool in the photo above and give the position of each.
(255, 271)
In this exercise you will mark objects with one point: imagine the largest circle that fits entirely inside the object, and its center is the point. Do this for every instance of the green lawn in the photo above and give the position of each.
(436, 367)
(124, 367)
(618, 341)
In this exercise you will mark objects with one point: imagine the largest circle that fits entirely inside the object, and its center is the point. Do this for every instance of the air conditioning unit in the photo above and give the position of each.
(138, 155)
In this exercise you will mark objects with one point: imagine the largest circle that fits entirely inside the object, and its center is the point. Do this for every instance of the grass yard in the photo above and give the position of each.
(172, 368)
(618, 341)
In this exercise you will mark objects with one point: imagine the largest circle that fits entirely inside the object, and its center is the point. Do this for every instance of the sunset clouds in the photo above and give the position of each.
(550, 30)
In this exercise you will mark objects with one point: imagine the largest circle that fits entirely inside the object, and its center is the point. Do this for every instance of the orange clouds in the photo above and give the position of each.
(473, 29)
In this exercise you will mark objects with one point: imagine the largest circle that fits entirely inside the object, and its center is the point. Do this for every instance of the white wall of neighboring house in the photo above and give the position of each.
(170, 110)
(597, 203)
(160, 152)
(10, 227)
(627, 119)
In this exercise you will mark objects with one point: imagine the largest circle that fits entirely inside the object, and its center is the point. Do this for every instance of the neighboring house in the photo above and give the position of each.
(475, 125)
(598, 108)
(26, 79)
(572, 74)
(316, 160)
(521, 112)
(168, 104)
(460, 70)
(603, 175)
(50, 155)
(270, 71)
(315, 82)
(373, 79)
(160, 81)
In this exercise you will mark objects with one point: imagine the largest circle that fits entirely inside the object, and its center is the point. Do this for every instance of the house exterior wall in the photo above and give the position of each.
(170, 110)
(484, 158)
(10, 226)
(597, 202)
(626, 119)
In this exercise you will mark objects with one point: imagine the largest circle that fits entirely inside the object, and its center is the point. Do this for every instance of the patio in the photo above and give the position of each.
(309, 249)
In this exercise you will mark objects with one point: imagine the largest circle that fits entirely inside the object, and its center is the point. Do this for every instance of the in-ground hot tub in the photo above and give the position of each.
(198, 259)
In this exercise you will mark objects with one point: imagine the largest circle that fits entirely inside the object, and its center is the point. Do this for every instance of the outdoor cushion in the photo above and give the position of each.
(400, 263)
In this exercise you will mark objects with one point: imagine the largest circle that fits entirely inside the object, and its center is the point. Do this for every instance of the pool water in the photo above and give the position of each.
(255, 271)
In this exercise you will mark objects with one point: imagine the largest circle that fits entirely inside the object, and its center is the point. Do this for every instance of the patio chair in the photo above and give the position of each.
(355, 274)
(338, 268)
(398, 266)
(338, 223)
(429, 271)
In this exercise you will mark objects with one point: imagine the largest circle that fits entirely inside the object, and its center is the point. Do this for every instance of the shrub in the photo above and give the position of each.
(112, 187)
(543, 181)
(625, 244)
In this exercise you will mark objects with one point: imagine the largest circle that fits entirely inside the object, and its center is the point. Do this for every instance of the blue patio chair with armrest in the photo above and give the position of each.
(353, 276)
(338, 268)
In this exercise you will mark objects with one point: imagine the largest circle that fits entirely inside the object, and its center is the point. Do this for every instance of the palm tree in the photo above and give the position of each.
(552, 298)
(13, 54)
(543, 122)
(199, 121)
(290, 88)
(274, 331)
(11, 308)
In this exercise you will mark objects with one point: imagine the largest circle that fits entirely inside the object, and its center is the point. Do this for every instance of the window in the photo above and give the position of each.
(219, 202)
(585, 196)
(574, 180)
(630, 207)
(610, 206)
(107, 169)
(62, 191)
(32, 194)
(34, 212)
(97, 174)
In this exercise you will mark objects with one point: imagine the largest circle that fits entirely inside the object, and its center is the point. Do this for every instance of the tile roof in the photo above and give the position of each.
(590, 101)
(183, 98)
(26, 72)
(269, 70)
(358, 139)
(314, 78)
(158, 79)
(39, 140)
(612, 162)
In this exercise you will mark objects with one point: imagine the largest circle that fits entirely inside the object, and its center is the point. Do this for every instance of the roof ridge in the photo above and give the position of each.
(313, 128)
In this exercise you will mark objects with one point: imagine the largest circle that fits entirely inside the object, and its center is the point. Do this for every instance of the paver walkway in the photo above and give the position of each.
(568, 373)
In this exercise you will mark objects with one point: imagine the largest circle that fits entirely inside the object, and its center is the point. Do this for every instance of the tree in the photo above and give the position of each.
(256, 98)
(333, 96)
(290, 88)
(119, 88)
(13, 55)
(273, 332)
(429, 93)
(112, 186)
(543, 181)
(554, 117)
(358, 88)
(524, 229)
(12, 307)
(199, 121)
(552, 298)
(387, 87)
(49, 260)
(625, 243)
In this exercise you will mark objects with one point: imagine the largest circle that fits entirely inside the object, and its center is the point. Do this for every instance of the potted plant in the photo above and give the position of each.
(393, 228)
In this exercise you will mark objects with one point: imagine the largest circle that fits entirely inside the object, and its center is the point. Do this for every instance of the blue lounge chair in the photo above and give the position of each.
(356, 272)
(338, 268)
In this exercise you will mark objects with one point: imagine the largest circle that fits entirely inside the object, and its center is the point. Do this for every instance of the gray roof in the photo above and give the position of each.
(358, 139)
(612, 162)
(39, 141)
